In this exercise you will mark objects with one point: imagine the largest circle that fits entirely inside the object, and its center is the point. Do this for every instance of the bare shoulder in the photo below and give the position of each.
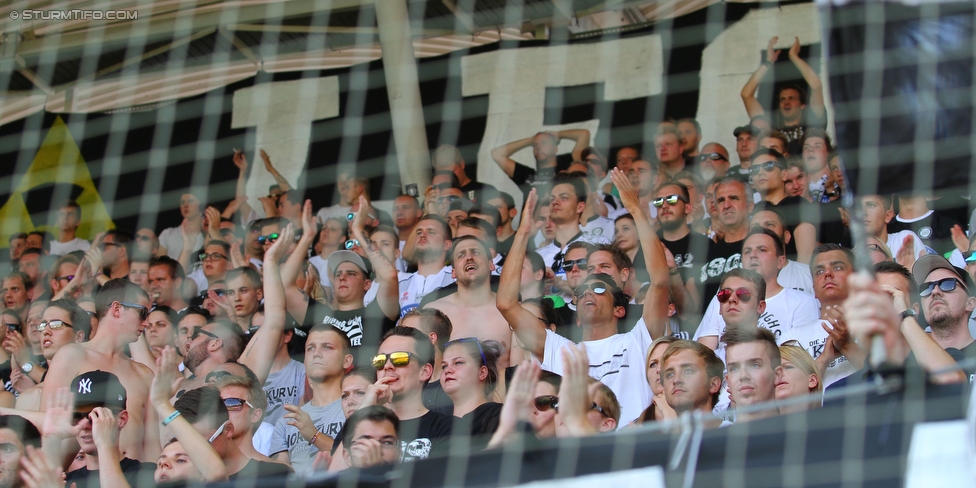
(142, 370)
(443, 304)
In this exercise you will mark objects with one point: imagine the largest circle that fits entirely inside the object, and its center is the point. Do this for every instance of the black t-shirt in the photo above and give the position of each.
(364, 326)
(935, 230)
(259, 469)
(832, 228)
(721, 258)
(425, 436)
(527, 178)
(505, 246)
(474, 190)
(794, 211)
(135, 472)
(436, 400)
(794, 134)
(687, 251)
(480, 423)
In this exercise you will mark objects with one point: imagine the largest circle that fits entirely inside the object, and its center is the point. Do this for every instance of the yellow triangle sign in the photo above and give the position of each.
(57, 173)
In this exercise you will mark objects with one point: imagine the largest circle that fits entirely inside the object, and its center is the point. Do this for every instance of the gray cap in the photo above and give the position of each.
(339, 257)
(931, 262)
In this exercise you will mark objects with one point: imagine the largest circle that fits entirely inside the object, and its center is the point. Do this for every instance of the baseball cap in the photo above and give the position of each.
(931, 262)
(98, 389)
(461, 204)
(746, 128)
(339, 257)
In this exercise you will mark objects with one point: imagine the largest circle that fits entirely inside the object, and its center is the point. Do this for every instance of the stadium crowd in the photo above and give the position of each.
(284, 341)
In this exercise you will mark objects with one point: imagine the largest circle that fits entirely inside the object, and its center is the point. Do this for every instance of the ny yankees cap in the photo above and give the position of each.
(98, 389)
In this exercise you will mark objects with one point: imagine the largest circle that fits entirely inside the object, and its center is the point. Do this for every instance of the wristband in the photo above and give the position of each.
(172, 417)
(314, 437)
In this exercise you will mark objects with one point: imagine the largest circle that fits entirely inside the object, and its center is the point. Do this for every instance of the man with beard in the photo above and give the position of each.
(474, 298)
(947, 303)
(431, 244)
(210, 346)
(713, 162)
(32, 264)
(689, 132)
(115, 255)
(403, 368)
(687, 247)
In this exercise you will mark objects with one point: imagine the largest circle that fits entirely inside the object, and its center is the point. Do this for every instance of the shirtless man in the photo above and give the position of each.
(123, 310)
(474, 298)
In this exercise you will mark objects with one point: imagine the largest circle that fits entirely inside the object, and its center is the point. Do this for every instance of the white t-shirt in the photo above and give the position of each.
(617, 361)
(199, 278)
(813, 337)
(549, 251)
(414, 287)
(599, 227)
(787, 309)
(336, 211)
(172, 240)
(62, 248)
(796, 276)
(261, 440)
(323, 268)
(895, 240)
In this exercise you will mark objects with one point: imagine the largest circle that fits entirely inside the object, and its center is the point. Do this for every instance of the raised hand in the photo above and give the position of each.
(105, 428)
(279, 248)
(240, 160)
(213, 222)
(300, 420)
(628, 194)
(378, 393)
(795, 48)
(58, 418)
(309, 222)
(38, 471)
(166, 382)
(906, 253)
(527, 210)
(772, 54)
(266, 159)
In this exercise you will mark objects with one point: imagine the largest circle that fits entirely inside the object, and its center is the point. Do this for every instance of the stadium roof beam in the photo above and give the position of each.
(462, 17)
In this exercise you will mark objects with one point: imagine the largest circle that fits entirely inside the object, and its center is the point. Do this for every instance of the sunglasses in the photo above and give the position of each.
(220, 430)
(598, 288)
(79, 416)
(268, 238)
(143, 311)
(235, 404)
(670, 199)
(199, 330)
(106, 244)
(66, 278)
(214, 256)
(351, 243)
(744, 295)
(545, 402)
(947, 285)
(352, 215)
(555, 405)
(400, 358)
(53, 324)
(767, 166)
(462, 340)
(567, 266)
(713, 156)
(448, 199)
(219, 292)
(969, 256)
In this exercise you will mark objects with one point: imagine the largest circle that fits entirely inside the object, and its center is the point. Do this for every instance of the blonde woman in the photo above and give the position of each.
(659, 408)
(800, 377)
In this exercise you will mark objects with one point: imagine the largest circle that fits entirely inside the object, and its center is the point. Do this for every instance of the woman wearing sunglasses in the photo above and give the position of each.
(469, 377)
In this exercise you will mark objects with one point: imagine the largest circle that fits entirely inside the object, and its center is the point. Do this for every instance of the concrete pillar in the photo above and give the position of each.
(403, 90)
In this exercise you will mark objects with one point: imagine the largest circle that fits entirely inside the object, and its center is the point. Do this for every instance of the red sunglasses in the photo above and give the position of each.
(744, 295)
